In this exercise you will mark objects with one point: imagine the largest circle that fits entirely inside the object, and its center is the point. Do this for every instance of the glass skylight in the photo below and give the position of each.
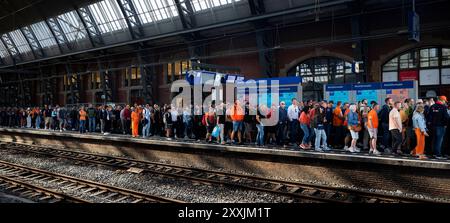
(155, 10)
(20, 41)
(108, 16)
(43, 34)
(72, 26)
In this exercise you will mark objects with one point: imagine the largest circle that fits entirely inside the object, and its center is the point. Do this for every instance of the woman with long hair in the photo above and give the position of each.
(304, 125)
(420, 129)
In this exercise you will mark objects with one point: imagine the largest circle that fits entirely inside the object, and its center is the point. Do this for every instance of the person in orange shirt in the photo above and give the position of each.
(338, 121)
(237, 116)
(135, 122)
(372, 128)
(82, 115)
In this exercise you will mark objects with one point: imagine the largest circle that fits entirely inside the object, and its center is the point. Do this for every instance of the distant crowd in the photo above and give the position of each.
(416, 128)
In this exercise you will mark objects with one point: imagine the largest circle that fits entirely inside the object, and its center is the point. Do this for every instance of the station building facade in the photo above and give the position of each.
(319, 49)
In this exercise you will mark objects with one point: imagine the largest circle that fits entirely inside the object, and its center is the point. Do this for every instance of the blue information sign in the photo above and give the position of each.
(341, 96)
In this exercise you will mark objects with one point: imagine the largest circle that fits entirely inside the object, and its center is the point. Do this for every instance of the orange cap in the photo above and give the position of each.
(443, 98)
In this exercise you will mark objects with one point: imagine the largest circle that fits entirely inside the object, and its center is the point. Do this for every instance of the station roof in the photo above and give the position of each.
(38, 30)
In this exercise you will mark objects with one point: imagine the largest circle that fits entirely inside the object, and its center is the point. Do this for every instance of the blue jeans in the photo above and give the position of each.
(92, 124)
(260, 135)
(188, 128)
(439, 133)
(293, 130)
(38, 122)
(320, 134)
(146, 129)
(306, 134)
(82, 127)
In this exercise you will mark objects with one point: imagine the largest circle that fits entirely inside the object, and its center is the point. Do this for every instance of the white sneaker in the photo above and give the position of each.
(376, 152)
(318, 150)
(370, 151)
(357, 149)
(60, 130)
(352, 150)
(346, 148)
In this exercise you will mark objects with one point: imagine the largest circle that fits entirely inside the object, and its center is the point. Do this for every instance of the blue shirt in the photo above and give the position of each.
(419, 122)
(352, 118)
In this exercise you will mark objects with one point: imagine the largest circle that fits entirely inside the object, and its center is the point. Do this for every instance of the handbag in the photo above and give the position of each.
(216, 132)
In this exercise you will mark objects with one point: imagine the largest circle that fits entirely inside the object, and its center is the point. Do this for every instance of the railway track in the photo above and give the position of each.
(36, 193)
(298, 191)
(21, 179)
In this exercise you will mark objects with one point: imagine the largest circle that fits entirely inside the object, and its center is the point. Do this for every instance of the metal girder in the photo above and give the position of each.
(147, 74)
(74, 86)
(32, 40)
(202, 28)
(188, 21)
(48, 87)
(360, 46)
(263, 39)
(186, 13)
(132, 19)
(105, 81)
(257, 7)
(90, 25)
(24, 91)
(58, 33)
(12, 48)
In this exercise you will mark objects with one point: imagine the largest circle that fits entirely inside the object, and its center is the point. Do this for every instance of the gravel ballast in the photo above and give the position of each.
(144, 182)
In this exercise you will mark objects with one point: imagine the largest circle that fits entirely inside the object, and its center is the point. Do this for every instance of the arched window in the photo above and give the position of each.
(317, 71)
(430, 66)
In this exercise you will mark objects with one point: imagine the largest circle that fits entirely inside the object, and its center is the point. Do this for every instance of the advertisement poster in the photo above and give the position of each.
(397, 94)
(390, 76)
(342, 96)
(445, 76)
(408, 75)
(370, 95)
(429, 77)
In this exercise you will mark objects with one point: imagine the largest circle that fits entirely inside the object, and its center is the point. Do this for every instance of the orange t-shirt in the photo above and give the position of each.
(372, 116)
(82, 115)
(237, 113)
(337, 121)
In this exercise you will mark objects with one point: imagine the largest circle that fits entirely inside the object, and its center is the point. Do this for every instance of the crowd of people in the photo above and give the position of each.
(417, 128)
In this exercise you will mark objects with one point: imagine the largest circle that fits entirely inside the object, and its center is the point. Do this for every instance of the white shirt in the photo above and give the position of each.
(395, 122)
(174, 114)
(293, 112)
(146, 113)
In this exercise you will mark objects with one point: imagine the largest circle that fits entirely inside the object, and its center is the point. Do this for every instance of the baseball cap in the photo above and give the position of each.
(442, 98)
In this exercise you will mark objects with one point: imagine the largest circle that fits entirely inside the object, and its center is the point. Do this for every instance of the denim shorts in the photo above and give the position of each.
(237, 126)
(355, 135)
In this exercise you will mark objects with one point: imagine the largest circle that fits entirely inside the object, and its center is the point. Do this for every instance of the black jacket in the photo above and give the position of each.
(438, 115)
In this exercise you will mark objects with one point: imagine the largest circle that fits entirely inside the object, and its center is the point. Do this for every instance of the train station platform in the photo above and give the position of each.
(386, 172)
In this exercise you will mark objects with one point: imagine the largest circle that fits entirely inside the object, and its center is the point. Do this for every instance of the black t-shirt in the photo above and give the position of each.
(221, 116)
(260, 117)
